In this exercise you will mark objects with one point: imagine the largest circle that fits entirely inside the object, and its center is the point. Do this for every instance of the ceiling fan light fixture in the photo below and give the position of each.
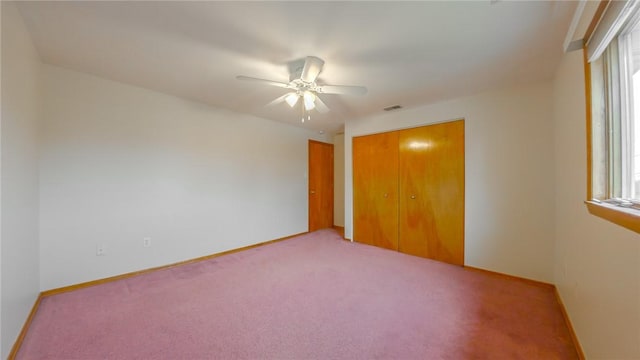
(309, 100)
(303, 84)
(292, 99)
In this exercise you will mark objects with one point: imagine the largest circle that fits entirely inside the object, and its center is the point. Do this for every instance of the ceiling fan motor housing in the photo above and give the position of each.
(296, 73)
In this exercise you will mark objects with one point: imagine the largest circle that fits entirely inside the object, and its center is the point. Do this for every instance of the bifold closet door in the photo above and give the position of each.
(431, 197)
(375, 190)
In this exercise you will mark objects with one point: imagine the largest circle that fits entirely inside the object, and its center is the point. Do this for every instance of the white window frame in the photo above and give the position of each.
(610, 117)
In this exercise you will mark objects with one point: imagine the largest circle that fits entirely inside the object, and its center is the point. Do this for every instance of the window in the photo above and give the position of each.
(614, 71)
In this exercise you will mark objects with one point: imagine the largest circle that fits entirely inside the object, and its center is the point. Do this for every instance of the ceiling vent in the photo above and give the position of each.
(394, 107)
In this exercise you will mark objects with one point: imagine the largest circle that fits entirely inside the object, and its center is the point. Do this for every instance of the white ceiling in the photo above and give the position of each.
(406, 53)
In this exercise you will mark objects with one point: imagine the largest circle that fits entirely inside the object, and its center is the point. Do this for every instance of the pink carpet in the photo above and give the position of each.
(310, 297)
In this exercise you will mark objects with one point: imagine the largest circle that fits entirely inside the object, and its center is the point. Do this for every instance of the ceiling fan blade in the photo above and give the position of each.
(264, 81)
(279, 100)
(342, 89)
(321, 106)
(311, 69)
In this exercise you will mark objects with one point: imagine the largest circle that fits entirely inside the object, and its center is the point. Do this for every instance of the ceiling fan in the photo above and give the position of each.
(302, 83)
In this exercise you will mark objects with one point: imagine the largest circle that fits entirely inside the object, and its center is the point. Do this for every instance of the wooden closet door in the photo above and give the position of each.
(431, 213)
(375, 190)
(320, 185)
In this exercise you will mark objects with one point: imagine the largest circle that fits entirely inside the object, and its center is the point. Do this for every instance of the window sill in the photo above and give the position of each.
(625, 217)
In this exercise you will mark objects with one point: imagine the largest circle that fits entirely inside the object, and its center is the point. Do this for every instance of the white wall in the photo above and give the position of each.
(121, 163)
(597, 265)
(338, 180)
(509, 175)
(19, 167)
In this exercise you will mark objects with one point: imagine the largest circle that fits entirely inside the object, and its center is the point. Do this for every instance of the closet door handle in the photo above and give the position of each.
(386, 195)
(413, 196)
(313, 192)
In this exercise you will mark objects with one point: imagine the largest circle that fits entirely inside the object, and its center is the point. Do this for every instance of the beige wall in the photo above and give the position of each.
(120, 163)
(338, 182)
(597, 263)
(509, 170)
(19, 167)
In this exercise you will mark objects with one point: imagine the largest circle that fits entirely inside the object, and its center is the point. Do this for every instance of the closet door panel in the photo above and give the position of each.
(375, 190)
(431, 196)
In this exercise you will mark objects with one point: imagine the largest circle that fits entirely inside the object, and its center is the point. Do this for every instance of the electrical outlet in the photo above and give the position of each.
(146, 242)
(101, 250)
